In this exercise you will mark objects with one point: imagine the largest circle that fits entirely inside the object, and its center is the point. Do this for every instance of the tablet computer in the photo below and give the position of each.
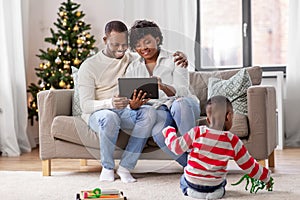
(127, 86)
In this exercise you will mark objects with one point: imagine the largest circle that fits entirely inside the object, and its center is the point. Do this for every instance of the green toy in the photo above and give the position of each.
(256, 184)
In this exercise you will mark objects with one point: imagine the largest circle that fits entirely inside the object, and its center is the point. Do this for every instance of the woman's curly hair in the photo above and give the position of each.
(142, 28)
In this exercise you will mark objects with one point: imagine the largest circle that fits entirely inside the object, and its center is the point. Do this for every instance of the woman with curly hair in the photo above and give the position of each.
(175, 99)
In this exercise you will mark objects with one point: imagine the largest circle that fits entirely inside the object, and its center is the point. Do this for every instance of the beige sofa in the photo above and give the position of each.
(64, 136)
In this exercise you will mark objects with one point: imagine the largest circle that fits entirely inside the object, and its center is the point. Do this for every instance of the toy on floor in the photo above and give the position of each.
(97, 193)
(256, 184)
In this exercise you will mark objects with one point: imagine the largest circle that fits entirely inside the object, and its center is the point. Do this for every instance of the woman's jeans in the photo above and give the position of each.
(183, 115)
(108, 122)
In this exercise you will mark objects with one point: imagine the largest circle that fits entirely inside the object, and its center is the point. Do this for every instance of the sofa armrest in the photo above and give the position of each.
(51, 103)
(262, 121)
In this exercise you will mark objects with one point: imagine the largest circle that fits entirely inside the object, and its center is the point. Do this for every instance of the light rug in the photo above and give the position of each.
(21, 185)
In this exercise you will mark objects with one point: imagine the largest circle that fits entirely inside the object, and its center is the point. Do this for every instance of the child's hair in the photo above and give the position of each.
(142, 28)
(117, 26)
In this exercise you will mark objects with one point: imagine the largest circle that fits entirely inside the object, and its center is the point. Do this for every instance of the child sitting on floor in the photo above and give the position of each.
(210, 150)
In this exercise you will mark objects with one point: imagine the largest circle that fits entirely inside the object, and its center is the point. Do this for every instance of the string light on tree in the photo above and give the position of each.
(72, 43)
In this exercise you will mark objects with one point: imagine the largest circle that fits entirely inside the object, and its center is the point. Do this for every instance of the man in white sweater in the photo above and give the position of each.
(105, 112)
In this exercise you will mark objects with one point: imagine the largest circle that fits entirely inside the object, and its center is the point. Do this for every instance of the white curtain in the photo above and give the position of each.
(176, 19)
(292, 77)
(13, 113)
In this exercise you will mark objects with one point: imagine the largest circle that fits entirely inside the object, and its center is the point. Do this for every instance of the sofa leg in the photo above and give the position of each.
(46, 167)
(271, 159)
(83, 162)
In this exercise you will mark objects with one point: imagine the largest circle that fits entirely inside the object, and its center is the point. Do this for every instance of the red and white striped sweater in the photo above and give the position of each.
(210, 152)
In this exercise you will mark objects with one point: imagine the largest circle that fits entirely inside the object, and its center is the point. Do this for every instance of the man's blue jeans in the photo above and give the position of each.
(137, 123)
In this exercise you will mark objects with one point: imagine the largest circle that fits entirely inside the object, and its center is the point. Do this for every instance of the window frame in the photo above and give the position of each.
(247, 41)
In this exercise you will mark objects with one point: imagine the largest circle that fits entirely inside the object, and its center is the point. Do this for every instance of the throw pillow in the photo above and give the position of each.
(76, 110)
(235, 89)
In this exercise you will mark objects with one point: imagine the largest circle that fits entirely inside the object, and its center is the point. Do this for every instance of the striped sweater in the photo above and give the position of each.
(210, 151)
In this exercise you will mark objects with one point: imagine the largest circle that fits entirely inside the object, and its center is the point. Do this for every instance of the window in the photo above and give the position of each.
(269, 32)
(236, 33)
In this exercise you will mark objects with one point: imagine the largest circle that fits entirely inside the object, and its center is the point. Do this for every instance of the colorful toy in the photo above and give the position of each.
(256, 184)
(98, 194)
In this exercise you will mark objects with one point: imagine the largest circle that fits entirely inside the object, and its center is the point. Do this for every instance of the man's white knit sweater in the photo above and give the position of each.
(98, 81)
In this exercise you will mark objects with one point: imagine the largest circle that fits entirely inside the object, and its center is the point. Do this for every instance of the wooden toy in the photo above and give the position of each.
(98, 194)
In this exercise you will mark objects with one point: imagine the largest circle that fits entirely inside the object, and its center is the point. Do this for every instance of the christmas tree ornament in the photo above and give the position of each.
(92, 52)
(58, 60)
(78, 13)
(62, 84)
(69, 49)
(76, 61)
(79, 41)
(42, 84)
(66, 66)
(76, 28)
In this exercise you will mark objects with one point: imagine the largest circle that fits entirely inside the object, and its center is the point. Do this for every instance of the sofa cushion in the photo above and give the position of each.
(75, 130)
(235, 89)
(199, 81)
(76, 110)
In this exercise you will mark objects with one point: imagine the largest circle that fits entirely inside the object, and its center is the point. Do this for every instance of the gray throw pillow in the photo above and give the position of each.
(76, 110)
(235, 89)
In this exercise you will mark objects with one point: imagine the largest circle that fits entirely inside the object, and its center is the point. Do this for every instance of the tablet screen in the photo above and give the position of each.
(149, 85)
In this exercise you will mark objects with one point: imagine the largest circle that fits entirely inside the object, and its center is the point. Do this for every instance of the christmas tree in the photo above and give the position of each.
(73, 43)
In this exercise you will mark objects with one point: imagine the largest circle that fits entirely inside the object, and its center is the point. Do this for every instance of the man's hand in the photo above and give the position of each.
(119, 102)
(138, 100)
(180, 59)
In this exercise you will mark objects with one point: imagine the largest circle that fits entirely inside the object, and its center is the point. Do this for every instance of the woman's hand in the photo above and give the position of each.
(180, 59)
(138, 100)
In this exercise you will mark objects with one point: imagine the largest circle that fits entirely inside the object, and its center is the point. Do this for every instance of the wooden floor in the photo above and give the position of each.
(286, 162)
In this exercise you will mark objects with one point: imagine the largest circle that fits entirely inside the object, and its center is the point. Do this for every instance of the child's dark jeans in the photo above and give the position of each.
(184, 184)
